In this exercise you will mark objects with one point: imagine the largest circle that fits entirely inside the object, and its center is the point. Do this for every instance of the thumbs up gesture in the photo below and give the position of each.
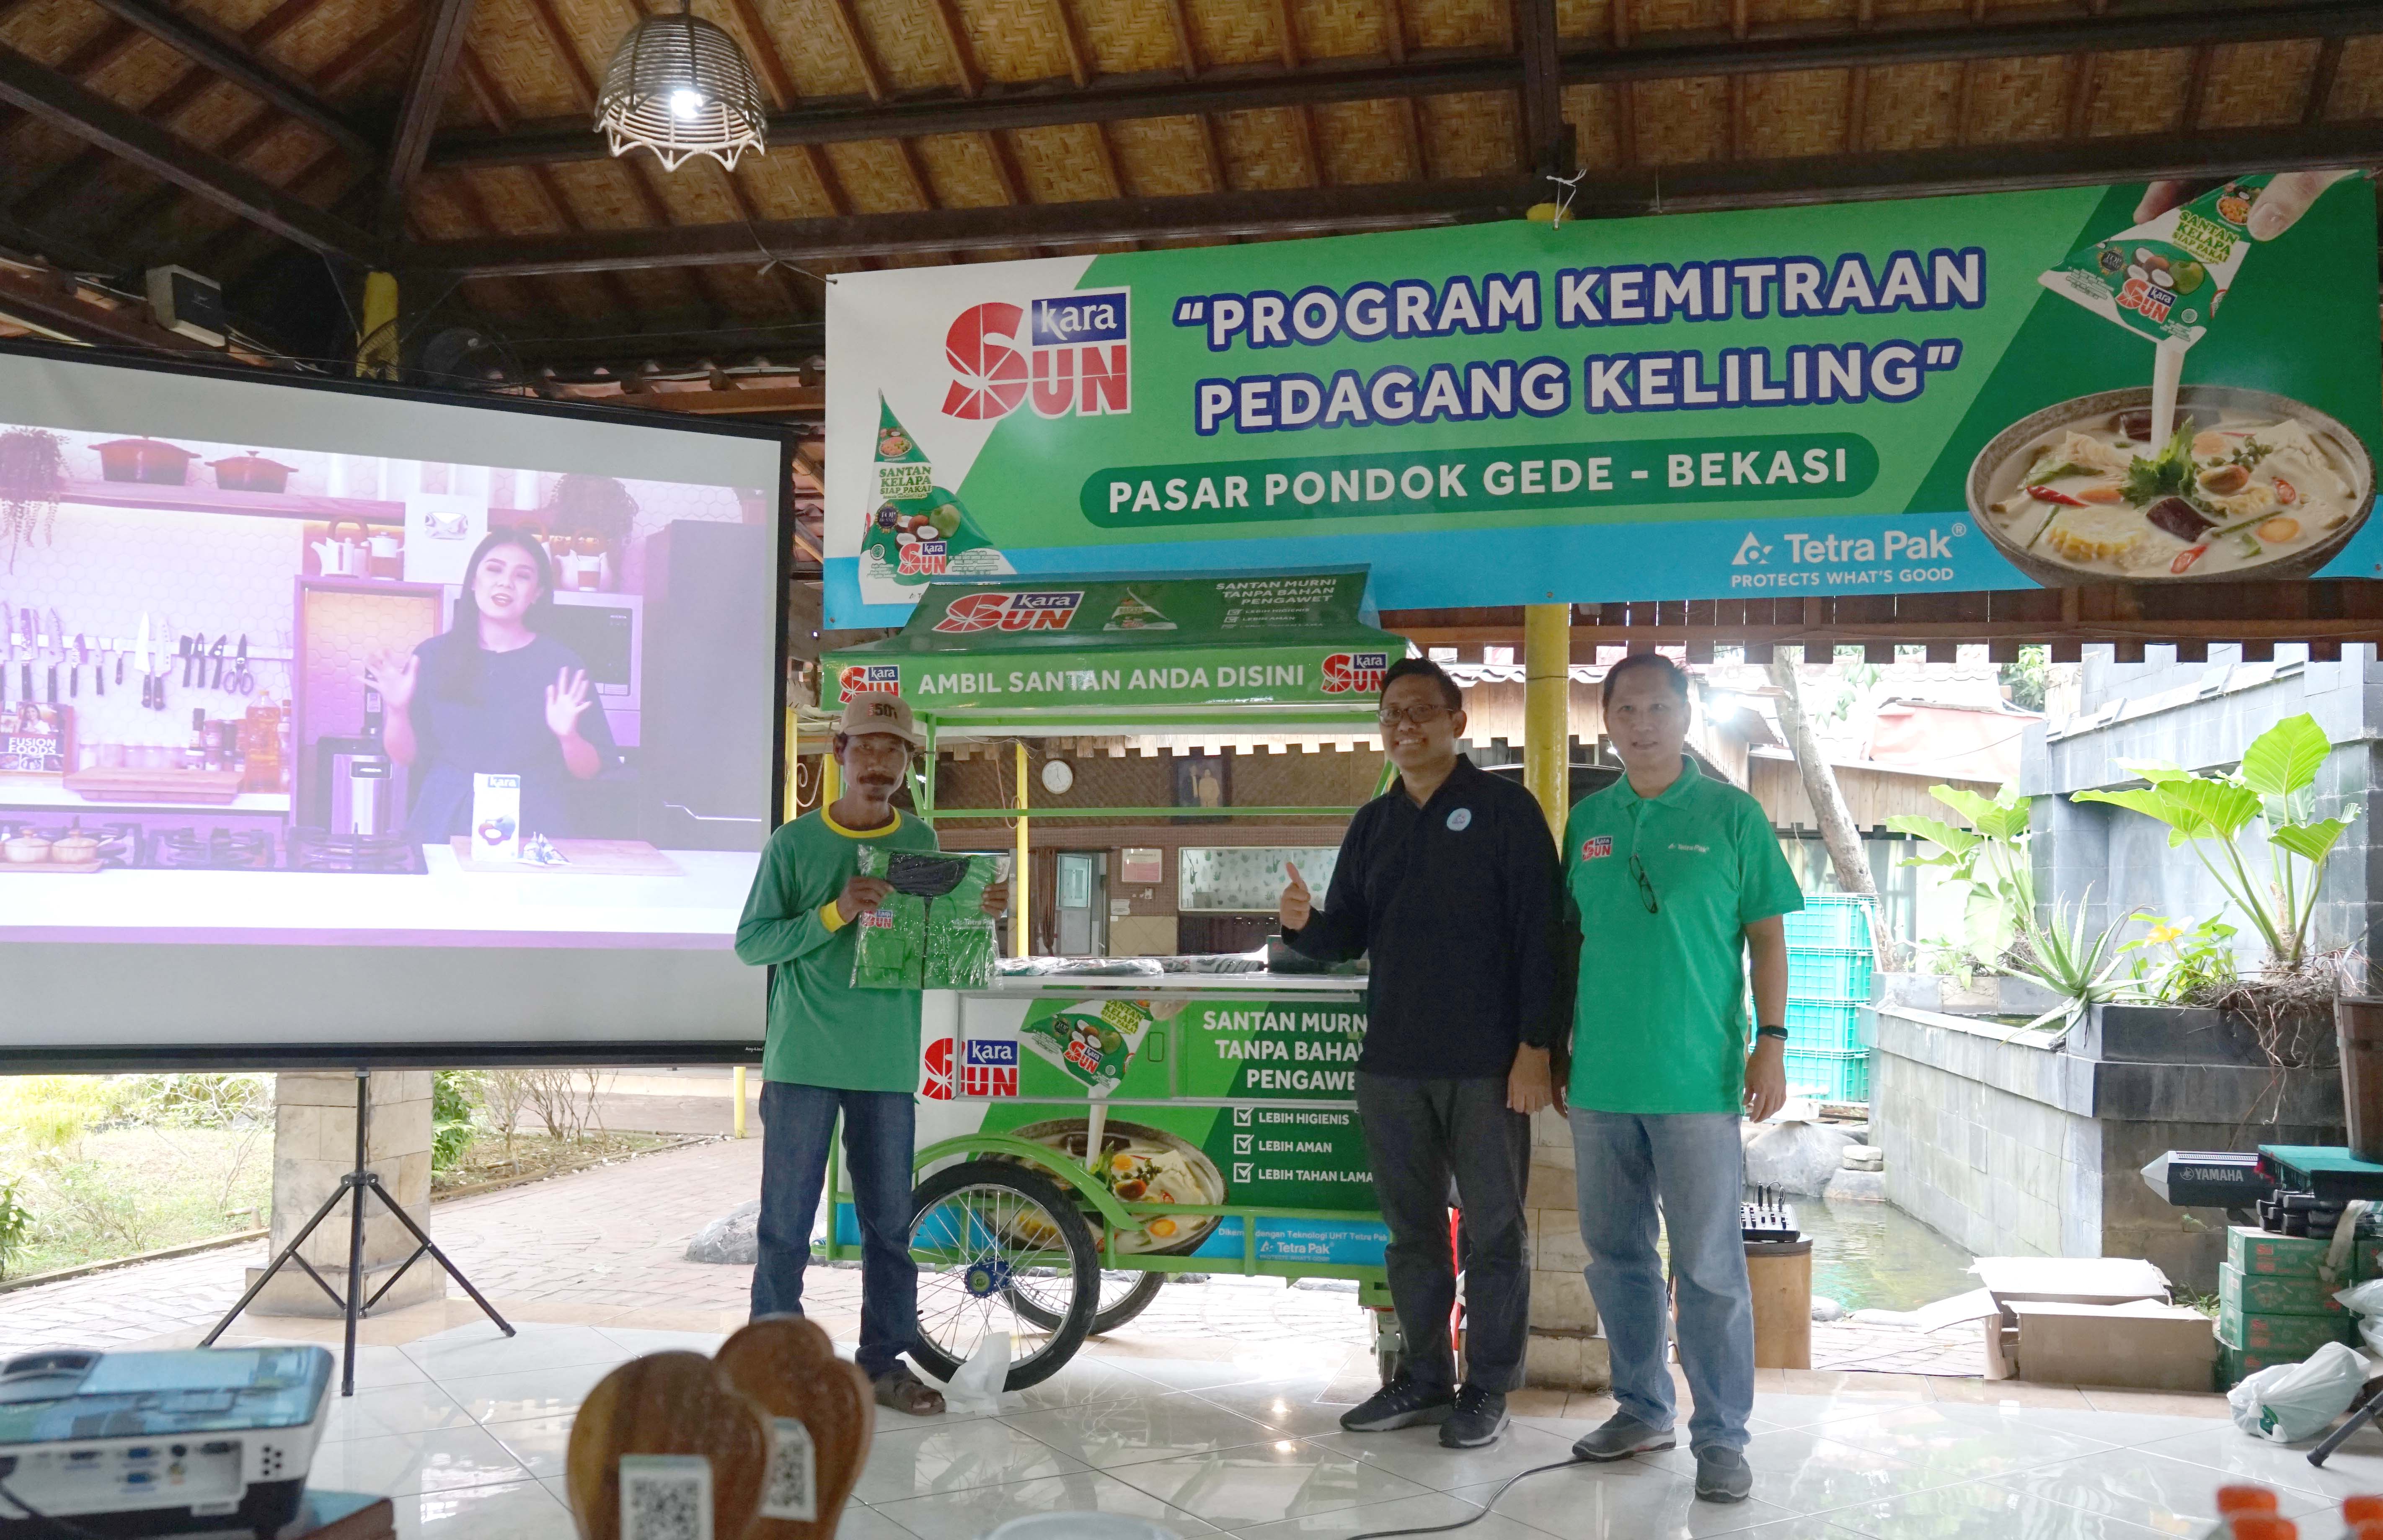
(1297, 905)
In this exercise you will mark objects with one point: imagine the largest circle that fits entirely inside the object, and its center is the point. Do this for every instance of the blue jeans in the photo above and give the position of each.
(797, 1124)
(1691, 1162)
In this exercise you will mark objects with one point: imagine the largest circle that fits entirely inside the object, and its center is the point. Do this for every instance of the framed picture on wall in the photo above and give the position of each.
(1202, 780)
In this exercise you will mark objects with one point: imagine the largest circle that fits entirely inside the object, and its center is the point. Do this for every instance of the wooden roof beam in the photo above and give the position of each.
(1711, 185)
(46, 302)
(97, 120)
(1546, 140)
(229, 59)
(1919, 40)
(436, 53)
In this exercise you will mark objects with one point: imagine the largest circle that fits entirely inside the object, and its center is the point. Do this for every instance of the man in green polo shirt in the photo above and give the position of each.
(833, 1049)
(1677, 880)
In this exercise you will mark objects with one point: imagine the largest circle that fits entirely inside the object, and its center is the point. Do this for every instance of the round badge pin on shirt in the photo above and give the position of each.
(1460, 820)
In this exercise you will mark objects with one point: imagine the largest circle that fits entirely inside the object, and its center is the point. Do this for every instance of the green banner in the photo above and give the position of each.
(1934, 395)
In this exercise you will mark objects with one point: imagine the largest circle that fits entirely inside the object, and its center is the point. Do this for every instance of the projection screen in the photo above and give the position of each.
(343, 724)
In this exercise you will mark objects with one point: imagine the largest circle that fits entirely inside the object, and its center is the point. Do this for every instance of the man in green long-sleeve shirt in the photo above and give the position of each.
(833, 1049)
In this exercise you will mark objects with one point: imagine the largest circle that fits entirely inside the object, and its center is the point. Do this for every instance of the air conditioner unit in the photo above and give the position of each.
(188, 303)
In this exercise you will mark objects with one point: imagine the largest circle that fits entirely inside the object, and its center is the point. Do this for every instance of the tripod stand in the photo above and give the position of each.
(351, 1190)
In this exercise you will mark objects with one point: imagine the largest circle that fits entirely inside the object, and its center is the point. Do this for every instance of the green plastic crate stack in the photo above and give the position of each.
(1829, 961)
(2272, 1306)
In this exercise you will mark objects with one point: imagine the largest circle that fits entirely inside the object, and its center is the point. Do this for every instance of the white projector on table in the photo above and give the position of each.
(171, 1443)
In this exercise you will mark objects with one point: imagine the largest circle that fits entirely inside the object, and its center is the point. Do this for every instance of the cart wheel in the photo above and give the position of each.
(1387, 1363)
(989, 1238)
(1121, 1299)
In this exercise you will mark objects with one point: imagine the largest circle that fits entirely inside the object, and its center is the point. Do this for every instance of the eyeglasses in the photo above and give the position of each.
(1645, 886)
(1390, 716)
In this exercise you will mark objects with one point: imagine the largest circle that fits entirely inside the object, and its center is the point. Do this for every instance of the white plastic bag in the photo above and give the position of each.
(2295, 1401)
(2364, 1299)
(976, 1386)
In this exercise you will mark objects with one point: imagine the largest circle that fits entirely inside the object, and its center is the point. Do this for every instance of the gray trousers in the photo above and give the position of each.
(1419, 1134)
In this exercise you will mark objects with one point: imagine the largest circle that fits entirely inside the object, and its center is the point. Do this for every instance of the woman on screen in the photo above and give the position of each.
(493, 695)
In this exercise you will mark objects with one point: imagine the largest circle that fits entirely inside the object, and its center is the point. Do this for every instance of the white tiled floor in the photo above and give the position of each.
(467, 1431)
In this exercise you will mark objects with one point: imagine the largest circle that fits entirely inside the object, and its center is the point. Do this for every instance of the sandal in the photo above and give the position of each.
(906, 1392)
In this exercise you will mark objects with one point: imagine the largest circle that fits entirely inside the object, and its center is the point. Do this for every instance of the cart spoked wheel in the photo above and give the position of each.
(1000, 1248)
(1123, 1296)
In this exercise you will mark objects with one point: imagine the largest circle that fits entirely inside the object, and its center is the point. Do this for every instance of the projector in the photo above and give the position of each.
(171, 1443)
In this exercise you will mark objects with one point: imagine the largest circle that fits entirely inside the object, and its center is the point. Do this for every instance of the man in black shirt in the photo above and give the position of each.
(1451, 880)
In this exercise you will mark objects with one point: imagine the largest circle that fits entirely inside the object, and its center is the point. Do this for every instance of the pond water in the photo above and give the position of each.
(1874, 1256)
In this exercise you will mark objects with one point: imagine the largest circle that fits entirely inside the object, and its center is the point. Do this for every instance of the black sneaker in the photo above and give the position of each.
(1400, 1404)
(1479, 1418)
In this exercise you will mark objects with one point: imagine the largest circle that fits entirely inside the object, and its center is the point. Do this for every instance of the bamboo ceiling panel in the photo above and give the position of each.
(50, 31)
(537, 81)
(1235, 32)
(2016, 101)
(1162, 157)
(1583, 19)
(1367, 142)
(961, 171)
(1261, 149)
(2252, 86)
(1475, 135)
(1459, 24)
(1919, 7)
(1767, 13)
(813, 46)
(1910, 106)
(1670, 16)
(1016, 39)
(306, 38)
(1066, 162)
(1339, 29)
(908, 45)
(1128, 37)
(2140, 92)
(874, 179)
(785, 186)
(2357, 81)
(1589, 109)
(1798, 113)
(1680, 122)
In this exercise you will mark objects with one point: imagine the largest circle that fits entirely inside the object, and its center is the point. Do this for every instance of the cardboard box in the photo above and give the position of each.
(2262, 1294)
(2144, 1345)
(2069, 1280)
(2292, 1336)
(2254, 1250)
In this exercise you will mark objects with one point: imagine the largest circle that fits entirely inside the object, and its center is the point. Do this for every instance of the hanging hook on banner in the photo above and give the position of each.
(1570, 186)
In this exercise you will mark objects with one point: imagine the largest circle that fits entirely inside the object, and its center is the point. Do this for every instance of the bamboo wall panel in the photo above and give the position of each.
(2140, 92)
(1676, 122)
(1911, 107)
(1799, 113)
(1128, 37)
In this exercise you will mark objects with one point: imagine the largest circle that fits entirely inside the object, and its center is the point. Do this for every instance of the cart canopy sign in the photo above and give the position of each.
(1257, 640)
(1953, 394)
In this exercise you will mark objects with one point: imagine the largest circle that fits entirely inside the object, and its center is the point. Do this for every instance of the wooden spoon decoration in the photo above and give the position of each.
(672, 1403)
(788, 1368)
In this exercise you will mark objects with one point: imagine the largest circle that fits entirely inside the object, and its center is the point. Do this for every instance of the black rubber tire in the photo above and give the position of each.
(1107, 1318)
(1066, 1332)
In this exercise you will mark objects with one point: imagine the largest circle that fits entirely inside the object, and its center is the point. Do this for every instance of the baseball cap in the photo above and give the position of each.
(880, 713)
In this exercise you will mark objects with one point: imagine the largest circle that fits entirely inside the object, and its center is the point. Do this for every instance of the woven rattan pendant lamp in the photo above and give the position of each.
(680, 87)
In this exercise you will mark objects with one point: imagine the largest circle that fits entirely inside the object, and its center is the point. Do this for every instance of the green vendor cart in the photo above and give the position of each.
(1086, 1131)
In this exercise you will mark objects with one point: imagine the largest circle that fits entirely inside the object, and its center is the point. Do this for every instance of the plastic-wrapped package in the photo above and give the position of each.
(932, 932)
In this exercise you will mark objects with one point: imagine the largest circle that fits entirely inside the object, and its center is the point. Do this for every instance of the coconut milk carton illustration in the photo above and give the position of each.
(918, 532)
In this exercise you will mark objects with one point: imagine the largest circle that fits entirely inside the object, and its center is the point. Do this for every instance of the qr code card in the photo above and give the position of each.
(665, 1497)
(793, 1488)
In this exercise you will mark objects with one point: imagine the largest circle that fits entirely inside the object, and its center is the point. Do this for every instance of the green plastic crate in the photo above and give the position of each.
(1825, 1027)
(1836, 973)
(1829, 919)
(1827, 1076)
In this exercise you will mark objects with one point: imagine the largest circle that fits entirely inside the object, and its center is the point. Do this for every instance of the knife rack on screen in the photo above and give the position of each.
(326, 657)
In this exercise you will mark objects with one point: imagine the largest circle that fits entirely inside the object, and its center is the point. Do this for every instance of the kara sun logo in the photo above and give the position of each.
(868, 679)
(1354, 673)
(1071, 355)
(1006, 612)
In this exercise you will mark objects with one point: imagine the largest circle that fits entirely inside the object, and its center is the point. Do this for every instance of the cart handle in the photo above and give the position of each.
(1052, 1163)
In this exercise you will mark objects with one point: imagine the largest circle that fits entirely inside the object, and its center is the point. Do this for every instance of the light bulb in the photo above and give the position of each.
(685, 103)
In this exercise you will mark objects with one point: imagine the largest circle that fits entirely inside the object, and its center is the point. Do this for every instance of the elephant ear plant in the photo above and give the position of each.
(2274, 884)
(2008, 931)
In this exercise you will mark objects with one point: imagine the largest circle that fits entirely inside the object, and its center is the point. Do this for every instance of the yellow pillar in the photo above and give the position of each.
(1547, 708)
(831, 778)
(1017, 877)
(376, 340)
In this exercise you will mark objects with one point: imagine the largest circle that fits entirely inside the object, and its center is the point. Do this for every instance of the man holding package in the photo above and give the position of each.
(1449, 881)
(1678, 881)
(835, 1049)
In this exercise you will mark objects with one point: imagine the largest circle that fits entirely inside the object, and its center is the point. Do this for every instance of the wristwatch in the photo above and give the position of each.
(1779, 1032)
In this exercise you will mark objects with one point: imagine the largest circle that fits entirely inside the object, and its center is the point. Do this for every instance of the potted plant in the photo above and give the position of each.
(32, 474)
